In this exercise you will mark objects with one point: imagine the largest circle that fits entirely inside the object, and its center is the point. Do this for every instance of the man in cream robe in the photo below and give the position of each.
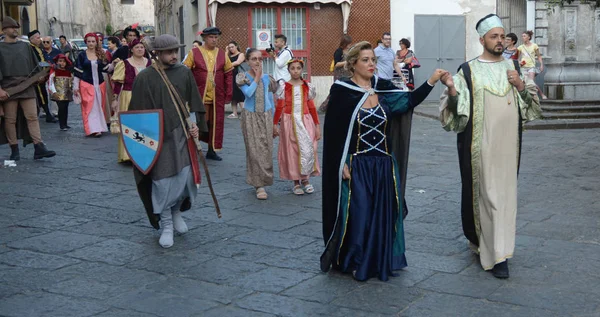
(486, 104)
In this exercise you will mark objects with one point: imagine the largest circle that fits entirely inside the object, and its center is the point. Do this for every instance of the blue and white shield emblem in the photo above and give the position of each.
(142, 135)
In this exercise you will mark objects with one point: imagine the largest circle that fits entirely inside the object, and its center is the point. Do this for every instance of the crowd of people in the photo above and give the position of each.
(366, 131)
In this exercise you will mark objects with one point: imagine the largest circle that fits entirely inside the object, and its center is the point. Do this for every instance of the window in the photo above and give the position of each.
(290, 21)
(127, 1)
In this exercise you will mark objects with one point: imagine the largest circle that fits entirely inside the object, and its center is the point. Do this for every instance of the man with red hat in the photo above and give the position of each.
(18, 109)
(212, 71)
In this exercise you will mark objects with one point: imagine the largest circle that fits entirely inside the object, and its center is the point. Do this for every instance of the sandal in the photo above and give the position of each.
(298, 190)
(261, 193)
(308, 187)
(232, 116)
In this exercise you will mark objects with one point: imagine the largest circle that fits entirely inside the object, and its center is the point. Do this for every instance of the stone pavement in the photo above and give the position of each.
(74, 239)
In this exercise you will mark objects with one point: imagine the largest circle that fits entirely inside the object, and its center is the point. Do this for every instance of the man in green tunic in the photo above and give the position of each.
(169, 188)
(486, 103)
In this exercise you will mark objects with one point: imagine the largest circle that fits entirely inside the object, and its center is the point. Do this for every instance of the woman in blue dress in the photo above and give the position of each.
(362, 191)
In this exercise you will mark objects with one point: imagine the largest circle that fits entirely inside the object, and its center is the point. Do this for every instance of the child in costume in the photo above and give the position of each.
(60, 86)
(299, 130)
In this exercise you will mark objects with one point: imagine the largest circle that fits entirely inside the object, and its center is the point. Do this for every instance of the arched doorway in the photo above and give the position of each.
(513, 14)
(25, 27)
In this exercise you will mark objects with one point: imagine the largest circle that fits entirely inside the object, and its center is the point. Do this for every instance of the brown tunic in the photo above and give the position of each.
(17, 62)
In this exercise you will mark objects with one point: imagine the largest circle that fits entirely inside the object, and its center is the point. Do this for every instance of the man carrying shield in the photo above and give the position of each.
(169, 187)
(212, 70)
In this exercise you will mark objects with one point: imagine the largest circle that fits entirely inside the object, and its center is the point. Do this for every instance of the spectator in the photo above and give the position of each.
(49, 51)
(123, 41)
(66, 48)
(405, 58)
(529, 52)
(511, 51)
(237, 58)
(386, 58)
(282, 57)
(339, 67)
(339, 58)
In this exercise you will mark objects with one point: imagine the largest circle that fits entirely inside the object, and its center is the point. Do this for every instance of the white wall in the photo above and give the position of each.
(403, 18)
(78, 17)
(141, 12)
(73, 19)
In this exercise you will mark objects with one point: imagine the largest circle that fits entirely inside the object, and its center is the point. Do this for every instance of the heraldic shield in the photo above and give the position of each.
(142, 135)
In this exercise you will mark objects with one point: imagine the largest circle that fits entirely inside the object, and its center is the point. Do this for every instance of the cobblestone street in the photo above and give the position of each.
(75, 241)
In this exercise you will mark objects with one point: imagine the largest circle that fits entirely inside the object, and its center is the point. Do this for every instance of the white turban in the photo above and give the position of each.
(489, 22)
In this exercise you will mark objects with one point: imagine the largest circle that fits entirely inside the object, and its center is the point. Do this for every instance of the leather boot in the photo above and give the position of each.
(14, 152)
(178, 223)
(41, 151)
(166, 223)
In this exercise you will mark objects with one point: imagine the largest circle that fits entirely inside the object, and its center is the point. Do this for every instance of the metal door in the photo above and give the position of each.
(440, 43)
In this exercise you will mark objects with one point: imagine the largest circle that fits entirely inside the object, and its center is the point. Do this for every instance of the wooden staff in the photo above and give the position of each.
(182, 107)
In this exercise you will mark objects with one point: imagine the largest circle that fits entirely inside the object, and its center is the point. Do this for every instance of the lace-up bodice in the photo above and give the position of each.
(371, 131)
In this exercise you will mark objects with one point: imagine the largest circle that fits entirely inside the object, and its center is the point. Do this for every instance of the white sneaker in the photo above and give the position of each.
(179, 223)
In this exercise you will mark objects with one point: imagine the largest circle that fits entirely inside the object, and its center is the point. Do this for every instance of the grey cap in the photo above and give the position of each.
(166, 42)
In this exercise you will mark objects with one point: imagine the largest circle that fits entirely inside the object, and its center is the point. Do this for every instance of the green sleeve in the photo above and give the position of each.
(455, 110)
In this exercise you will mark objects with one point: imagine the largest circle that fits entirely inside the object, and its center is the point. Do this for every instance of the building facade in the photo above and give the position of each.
(75, 18)
(182, 18)
(313, 28)
(23, 11)
(442, 32)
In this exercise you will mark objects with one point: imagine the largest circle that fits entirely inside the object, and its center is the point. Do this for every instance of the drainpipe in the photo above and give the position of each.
(208, 23)
(37, 20)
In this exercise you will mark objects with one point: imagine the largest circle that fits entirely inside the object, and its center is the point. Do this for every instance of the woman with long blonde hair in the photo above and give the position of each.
(89, 85)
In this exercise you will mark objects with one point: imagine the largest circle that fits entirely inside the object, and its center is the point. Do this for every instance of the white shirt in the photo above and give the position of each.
(281, 60)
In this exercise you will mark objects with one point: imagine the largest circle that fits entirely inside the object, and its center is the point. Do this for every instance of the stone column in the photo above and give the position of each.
(569, 39)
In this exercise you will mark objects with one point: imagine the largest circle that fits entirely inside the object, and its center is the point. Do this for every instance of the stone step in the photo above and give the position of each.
(554, 102)
(561, 108)
(570, 115)
(561, 124)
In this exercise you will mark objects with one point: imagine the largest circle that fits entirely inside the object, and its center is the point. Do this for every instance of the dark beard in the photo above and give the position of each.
(494, 52)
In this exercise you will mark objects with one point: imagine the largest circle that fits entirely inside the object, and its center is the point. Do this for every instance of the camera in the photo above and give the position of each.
(270, 48)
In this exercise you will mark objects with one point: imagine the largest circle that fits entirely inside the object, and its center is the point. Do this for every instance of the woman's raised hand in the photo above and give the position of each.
(437, 74)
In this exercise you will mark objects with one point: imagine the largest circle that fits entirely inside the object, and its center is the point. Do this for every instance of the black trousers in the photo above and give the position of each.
(63, 113)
